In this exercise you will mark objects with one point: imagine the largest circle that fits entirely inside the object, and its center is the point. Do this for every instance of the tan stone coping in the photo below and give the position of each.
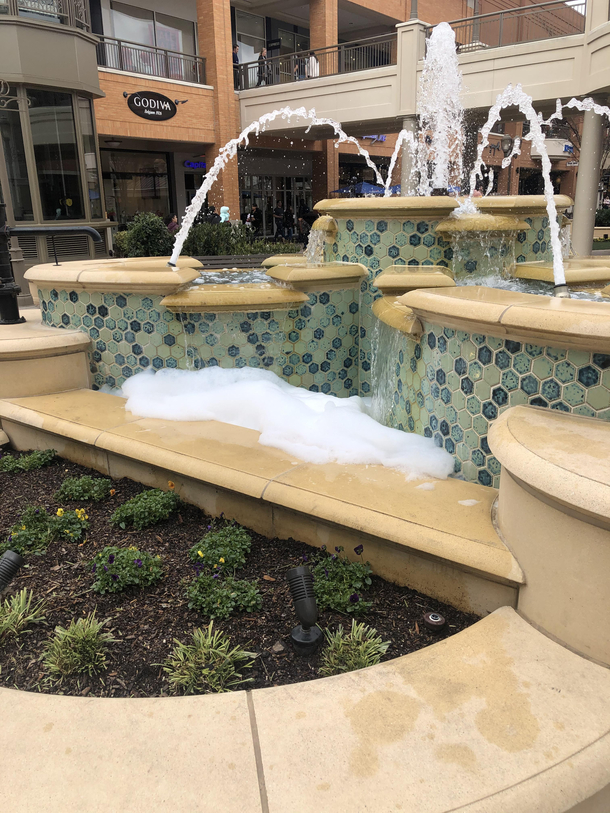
(398, 316)
(145, 275)
(34, 340)
(496, 719)
(252, 296)
(398, 279)
(440, 523)
(481, 222)
(544, 320)
(284, 259)
(436, 207)
(578, 272)
(327, 276)
(566, 457)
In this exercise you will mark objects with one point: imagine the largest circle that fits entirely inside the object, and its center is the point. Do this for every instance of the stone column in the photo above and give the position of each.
(408, 179)
(215, 45)
(323, 33)
(323, 23)
(587, 183)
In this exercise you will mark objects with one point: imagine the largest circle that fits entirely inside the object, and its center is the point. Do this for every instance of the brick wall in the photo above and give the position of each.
(192, 122)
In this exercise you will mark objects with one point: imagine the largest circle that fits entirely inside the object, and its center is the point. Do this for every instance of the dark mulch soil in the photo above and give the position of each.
(146, 622)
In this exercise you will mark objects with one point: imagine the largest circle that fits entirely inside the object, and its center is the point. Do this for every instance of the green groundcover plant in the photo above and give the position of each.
(79, 649)
(36, 529)
(147, 508)
(339, 584)
(27, 462)
(18, 612)
(347, 651)
(208, 664)
(86, 488)
(116, 569)
(215, 596)
(222, 549)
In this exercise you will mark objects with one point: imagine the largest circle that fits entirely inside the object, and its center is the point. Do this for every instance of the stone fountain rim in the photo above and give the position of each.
(437, 206)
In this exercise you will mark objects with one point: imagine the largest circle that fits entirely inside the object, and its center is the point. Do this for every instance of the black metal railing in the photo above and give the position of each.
(65, 12)
(523, 24)
(348, 57)
(150, 60)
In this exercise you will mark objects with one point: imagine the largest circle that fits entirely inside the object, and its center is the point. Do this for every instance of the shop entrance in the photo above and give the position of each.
(267, 190)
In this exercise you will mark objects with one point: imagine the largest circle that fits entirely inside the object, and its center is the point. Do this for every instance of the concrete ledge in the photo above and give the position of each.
(440, 540)
(551, 322)
(247, 297)
(389, 311)
(35, 359)
(150, 275)
(326, 277)
(497, 718)
(399, 279)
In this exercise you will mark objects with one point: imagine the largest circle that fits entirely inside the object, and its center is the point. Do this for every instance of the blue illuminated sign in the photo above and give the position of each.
(195, 164)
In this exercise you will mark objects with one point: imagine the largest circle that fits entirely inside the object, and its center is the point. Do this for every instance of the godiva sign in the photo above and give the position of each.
(150, 105)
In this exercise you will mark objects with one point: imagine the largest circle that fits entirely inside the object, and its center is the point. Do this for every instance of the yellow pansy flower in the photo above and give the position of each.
(60, 512)
(200, 553)
(221, 560)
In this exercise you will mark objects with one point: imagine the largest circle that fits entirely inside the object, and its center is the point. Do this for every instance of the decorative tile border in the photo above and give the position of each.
(315, 346)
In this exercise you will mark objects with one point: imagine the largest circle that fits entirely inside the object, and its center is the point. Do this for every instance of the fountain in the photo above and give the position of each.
(420, 265)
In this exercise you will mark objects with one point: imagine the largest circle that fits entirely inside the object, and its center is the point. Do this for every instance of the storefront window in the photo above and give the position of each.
(135, 182)
(56, 154)
(250, 31)
(92, 175)
(14, 156)
(134, 24)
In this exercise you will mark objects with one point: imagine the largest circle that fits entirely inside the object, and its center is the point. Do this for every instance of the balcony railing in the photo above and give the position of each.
(523, 24)
(65, 12)
(150, 60)
(348, 57)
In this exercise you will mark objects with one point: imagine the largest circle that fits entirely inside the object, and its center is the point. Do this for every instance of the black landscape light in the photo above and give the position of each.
(306, 636)
(10, 562)
(435, 622)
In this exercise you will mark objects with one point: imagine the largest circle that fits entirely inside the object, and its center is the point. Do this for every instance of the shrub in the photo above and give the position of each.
(602, 217)
(147, 508)
(224, 549)
(208, 664)
(119, 243)
(356, 649)
(212, 239)
(117, 569)
(217, 597)
(80, 648)
(17, 613)
(36, 529)
(27, 462)
(148, 236)
(84, 488)
(339, 583)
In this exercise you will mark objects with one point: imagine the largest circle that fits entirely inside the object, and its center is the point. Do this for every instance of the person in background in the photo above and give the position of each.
(302, 225)
(288, 223)
(171, 221)
(263, 68)
(224, 214)
(236, 66)
(256, 220)
(313, 66)
(278, 221)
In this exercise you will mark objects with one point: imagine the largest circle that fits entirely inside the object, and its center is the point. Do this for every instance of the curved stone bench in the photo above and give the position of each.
(497, 719)
(438, 539)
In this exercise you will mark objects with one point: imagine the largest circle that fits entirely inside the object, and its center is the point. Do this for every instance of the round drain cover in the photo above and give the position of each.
(434, 621)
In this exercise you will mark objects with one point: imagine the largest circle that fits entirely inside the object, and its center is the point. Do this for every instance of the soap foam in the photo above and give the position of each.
(312, 426)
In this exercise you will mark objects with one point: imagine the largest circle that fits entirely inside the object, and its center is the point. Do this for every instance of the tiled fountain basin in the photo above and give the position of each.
(142, 315)
(381, 232)
(464, 355)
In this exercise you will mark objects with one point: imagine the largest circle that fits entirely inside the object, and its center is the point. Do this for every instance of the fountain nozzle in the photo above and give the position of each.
(171, 264)
(561, 291)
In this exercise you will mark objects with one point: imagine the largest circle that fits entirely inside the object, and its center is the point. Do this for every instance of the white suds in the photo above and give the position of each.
(314, 427)
(468, 503)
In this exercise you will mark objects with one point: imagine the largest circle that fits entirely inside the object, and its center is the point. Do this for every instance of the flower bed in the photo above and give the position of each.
(159, 570)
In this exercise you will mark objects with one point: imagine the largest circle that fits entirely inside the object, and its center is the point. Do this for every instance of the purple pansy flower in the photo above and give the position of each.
(138, 562)
(111, 559)
(354, 598)
(105, 569)
(93, 569)
(114, 576)
(358, 550)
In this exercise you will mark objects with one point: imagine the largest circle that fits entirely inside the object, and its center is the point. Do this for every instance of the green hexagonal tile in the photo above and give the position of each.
(573, 394)
(542, 368)
(598, 398)
(522, 363)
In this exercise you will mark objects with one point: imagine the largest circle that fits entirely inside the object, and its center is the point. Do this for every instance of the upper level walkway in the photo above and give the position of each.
(555, 51)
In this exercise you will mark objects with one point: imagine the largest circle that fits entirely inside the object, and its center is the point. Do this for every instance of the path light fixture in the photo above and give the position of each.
(10, 562)
(435, 622)
(306, 637)
(507, 144)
